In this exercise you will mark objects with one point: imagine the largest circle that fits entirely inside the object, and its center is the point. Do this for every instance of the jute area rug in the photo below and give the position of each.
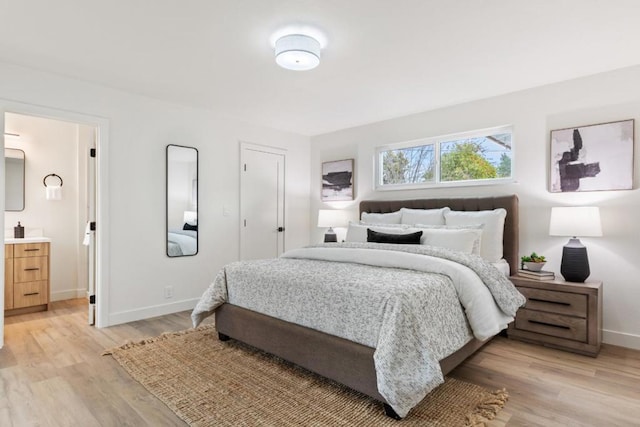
(207, 382)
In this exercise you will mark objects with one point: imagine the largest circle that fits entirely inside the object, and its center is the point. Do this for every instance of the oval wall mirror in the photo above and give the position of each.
(182, 201)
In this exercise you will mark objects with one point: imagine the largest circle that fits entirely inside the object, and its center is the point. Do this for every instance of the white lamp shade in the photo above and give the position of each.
(191, 217)
(297, 52)
(328, 218)
(575, 221)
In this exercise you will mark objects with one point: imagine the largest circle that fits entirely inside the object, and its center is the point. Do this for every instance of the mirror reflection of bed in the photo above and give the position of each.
(182, 201)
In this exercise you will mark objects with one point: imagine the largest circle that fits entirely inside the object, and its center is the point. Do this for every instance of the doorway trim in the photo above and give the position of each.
(102, 197)
(244, 145)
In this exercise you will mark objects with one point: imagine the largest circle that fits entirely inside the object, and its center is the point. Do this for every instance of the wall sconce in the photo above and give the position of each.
(331, 218)
(575, 221)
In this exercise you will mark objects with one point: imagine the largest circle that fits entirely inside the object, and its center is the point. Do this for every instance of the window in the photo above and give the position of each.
(470, 158)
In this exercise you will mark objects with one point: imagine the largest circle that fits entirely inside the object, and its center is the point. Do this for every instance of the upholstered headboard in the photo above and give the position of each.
(510, 203)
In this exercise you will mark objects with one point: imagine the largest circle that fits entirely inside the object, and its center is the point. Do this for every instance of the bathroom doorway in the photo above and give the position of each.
(64, 182)
(50, 209)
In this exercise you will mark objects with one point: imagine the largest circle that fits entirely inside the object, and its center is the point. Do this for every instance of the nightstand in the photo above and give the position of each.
(559, 314)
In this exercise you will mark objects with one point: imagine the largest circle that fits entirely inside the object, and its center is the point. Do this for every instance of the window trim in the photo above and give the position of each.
(436, 141)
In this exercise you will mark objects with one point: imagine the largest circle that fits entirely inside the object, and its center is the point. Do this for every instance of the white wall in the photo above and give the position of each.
(533, 113)
(139, 130)
(51, 146)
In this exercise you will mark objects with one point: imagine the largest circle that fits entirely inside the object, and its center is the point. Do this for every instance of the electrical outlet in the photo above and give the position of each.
(168, 292)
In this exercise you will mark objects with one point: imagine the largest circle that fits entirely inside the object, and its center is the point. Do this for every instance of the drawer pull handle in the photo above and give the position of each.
(31, 250)
(32, 293)
(550, 302)
(548, 324)
(31, 269)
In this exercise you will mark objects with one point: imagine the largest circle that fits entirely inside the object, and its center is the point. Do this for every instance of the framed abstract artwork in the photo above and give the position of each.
(337, 180)
(592, 158)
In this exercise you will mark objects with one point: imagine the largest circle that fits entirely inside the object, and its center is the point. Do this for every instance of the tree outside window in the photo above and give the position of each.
(479, 157)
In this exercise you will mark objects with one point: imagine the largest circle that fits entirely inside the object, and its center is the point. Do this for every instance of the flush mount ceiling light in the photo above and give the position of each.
(297, 52)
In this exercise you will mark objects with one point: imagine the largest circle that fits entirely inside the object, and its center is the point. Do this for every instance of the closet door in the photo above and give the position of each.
(262, 193)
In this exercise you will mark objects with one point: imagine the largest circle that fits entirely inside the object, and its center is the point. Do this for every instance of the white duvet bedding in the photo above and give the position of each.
(185, 240)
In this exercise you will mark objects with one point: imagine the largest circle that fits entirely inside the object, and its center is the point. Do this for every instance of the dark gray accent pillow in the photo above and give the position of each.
(407, 239)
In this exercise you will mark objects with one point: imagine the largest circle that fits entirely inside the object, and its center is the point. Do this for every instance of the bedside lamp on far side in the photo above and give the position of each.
(329, 218)
(575, 221)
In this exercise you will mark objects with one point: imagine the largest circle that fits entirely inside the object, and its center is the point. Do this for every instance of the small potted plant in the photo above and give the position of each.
(533, 262)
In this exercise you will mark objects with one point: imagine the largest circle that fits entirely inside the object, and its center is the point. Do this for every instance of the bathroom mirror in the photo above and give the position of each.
(182, 201)
(14, 180)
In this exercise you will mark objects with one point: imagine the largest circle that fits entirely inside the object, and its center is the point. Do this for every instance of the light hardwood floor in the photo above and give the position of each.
(52, 374)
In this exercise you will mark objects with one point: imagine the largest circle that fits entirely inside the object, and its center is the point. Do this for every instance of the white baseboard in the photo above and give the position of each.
(68, 294)
(621, 339)
(152, 311)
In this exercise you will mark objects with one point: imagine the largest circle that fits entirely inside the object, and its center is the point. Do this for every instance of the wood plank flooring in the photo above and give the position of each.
(52, 374)
(549, 387)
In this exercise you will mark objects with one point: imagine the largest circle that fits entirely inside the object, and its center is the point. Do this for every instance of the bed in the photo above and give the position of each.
(345, 361)
(182, 242)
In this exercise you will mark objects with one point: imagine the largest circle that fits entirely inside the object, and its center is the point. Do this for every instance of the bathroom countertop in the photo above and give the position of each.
(11, 240)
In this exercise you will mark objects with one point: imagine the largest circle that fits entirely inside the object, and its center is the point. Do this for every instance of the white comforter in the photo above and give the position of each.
(407, 303)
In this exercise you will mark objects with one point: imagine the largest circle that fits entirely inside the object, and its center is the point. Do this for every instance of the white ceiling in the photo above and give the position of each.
(383, 58)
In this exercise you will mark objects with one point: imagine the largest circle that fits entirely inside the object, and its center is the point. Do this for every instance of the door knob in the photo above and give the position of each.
(280, 229)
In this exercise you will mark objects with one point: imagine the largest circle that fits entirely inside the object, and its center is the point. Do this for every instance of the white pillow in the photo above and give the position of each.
(383, 225)
(358, 232)
(477, 228)
(382, 218)
(492, 232)
(450, 227)
(464, 240)
(423, 216)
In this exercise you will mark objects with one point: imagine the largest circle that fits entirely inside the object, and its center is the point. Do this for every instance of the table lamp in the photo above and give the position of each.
(575, 221)
(331, 218)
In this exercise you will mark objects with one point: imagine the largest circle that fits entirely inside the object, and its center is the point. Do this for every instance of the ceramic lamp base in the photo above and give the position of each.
(575, 262)
(330, 238)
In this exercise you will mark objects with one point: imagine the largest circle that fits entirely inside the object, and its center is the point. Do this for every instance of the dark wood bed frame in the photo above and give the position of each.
(339, 359)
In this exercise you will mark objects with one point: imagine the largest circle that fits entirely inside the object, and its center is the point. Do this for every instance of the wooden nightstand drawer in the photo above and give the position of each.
(30, 250)
(555, 325)
(30, 269)
(567, 303)
(559, 314)
(30, 293)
